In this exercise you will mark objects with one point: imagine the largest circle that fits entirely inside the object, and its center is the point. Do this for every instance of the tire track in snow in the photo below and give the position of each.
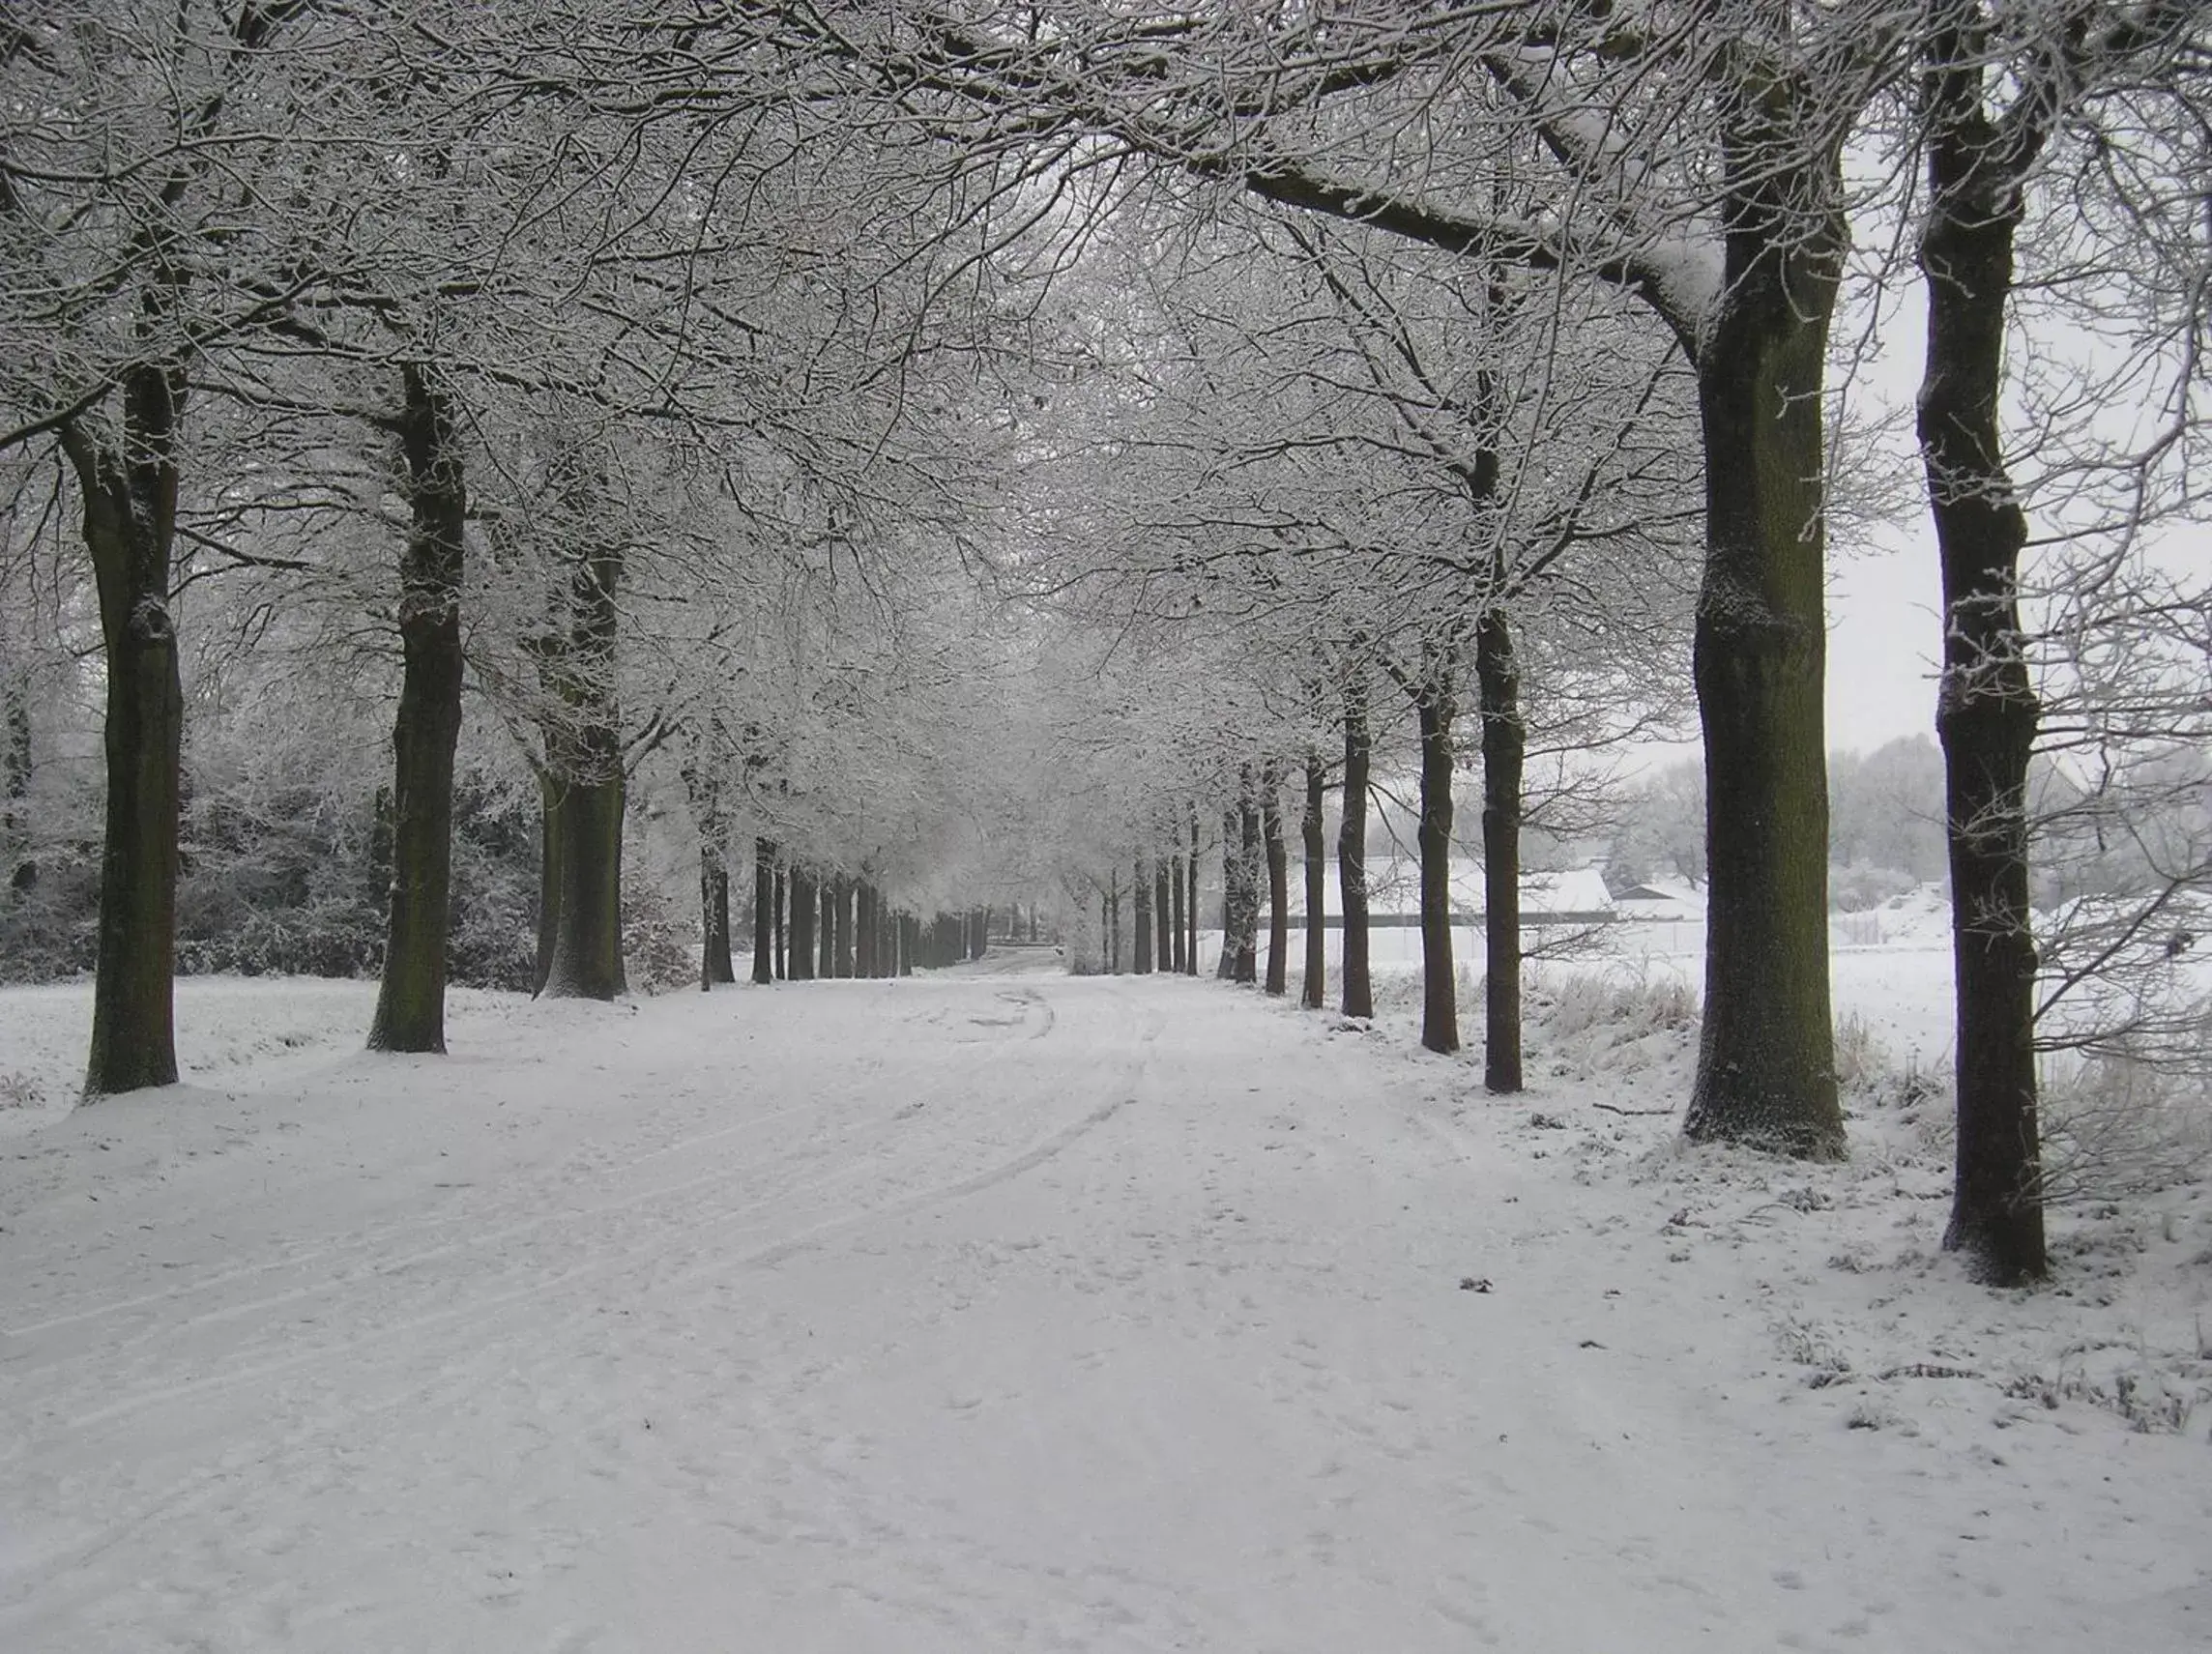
(774, 1252)
(475, 1237)
(354, 1240)
(665, 1235)
(458, 1372)
(198, 1491)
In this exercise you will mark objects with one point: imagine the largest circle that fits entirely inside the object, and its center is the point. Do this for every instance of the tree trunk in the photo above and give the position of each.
(843, 918)
(1141, 910)
(909, 943)
(1314, 991)
(23, 872)
(781, 935)
(825, 964)
(1190, 900)
(1504, 746)
(864, 929)
(587, 938)
(411, 998)
(1351, 849)
(1278, 883)
(1987, 711)
(1225, 967)
(715, 964)
(1767, 1055)
(1248, 872)
(1180, 923)
(800, 925)
(764, 913)
(130, 505)
(1163, 921)
(1440, 986)
(549, 797)
(585, 756)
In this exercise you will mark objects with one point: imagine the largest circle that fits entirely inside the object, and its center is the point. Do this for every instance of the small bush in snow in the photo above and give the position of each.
(1630, 1007)
(1861, 1060)
(1806, 1344)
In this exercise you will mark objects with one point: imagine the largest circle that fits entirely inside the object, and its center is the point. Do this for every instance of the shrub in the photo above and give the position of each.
(2116, 1126)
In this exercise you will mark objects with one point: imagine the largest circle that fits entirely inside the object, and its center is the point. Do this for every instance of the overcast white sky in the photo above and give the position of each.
(1884, 635)
(1885, 586)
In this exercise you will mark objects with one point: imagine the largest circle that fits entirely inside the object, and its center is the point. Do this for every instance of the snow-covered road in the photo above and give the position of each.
(980, 1312)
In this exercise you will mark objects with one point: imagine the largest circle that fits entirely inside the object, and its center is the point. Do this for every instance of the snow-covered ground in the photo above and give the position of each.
(1000, 1311)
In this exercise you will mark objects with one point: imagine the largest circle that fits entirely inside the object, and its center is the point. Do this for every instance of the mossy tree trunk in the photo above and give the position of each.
(1987, 711)
(411, 998)
(1767, 1055)
(584, 763)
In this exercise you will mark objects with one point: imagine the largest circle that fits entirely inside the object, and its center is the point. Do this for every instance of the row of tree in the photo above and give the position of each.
(952, 443)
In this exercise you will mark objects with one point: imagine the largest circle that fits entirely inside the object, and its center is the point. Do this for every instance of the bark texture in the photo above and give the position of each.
(1766, 1054)
(411, 998)
(128, 481)
(1987, 711)
(585, 760)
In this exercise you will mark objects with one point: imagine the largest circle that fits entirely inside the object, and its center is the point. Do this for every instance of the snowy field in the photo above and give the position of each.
(995, 1311)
